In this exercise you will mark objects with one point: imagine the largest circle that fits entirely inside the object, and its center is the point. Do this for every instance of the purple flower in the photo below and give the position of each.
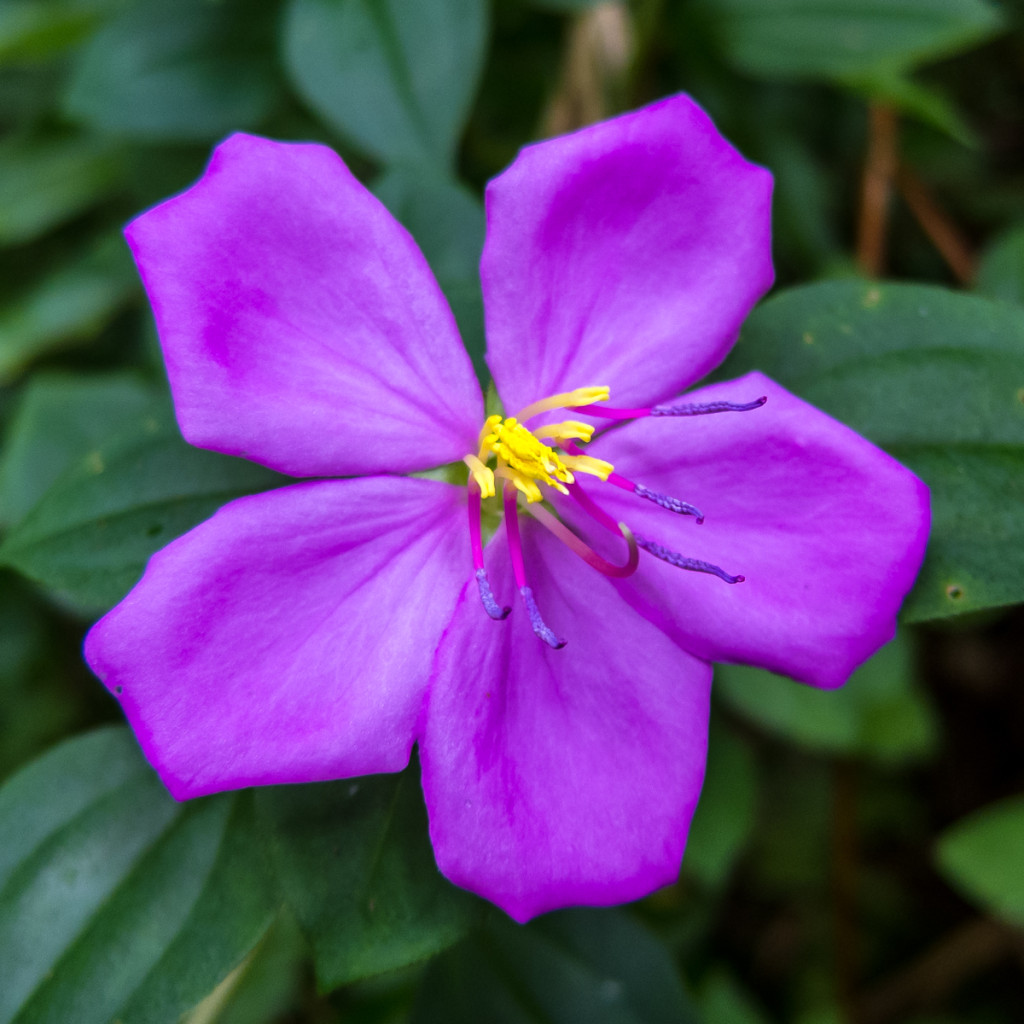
(318, 631)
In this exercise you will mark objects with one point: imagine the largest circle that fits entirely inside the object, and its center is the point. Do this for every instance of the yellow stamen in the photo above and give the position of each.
(525, 460)
(587, 464)
(565, 400)
(483, 475)
(523, 483)
(514, 445)
(570, 430)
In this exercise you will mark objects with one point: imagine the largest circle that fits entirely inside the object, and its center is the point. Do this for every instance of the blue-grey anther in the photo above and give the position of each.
(683, 508)
(709, 407)
(540, 627)
(682, 562)
(495, 610)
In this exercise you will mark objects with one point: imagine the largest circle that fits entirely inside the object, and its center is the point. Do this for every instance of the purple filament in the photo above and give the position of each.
(666, 501)
(540, 627)
(495, 610)
(710, 407)
(681, 562)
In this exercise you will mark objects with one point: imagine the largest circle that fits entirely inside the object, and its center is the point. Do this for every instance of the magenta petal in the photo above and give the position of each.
(627, 255)
(290, 637)
(561, 777)
(828, 530)
(301, 326)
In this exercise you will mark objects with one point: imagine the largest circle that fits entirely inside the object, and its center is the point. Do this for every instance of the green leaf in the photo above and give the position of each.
(264, 986)
(192, 70)
(920, 101)
(227, 917)
(357, 869)
(71, 304)
(725, 814)
(1001, 270)
(840, 39)
(936, 378)
(982, 855)
(723, 1001)
(93, 531)
(878, 714)
(447, 222)
(597, 966)
(44, 182)
(565, 6)
(35, 705)
(116, 902)
(60, 418)
(395, 77)
(37, 29)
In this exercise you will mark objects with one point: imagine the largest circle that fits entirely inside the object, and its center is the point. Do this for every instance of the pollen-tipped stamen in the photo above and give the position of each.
(580, 547)
(682, 562)
(515, 549)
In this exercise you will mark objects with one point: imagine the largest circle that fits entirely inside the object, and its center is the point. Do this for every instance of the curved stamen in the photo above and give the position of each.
(565, 400)
(682, 562)
(709, 407)
(515, 550)
(491, 606)
(540, 627)
(666, 501)
(606, 413)
(592, 508)
(581, 548)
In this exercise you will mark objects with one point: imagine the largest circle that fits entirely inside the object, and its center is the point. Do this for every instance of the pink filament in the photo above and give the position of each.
(475, 539)
(581, 548)
(515, 544)
(604, 413)
(592, 508)
(613, 478)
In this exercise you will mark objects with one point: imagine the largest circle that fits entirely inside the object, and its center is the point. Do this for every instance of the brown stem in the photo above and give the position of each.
(959, 955)
(937, 225)
(597, 55)
(879, 171)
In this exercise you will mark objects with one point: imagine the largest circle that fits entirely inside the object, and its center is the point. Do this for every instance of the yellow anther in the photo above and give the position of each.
(522, 456)
(487, 435)
(523, 483)
(570, 430)
(483, 475)
(587, 464)
(522, 451)
(565, 400)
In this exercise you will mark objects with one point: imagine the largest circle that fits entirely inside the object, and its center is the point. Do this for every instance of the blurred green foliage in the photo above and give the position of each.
(850, 846)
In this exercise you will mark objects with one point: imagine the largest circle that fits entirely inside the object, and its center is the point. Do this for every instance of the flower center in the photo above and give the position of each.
(525, 463)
